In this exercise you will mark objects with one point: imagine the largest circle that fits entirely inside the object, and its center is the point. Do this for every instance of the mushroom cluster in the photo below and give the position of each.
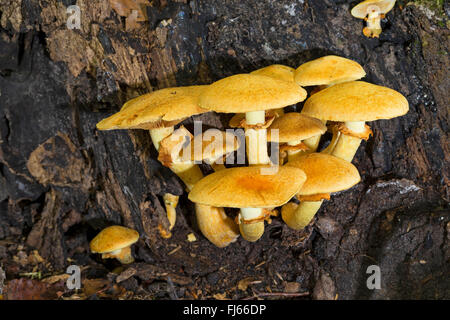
(339, 103)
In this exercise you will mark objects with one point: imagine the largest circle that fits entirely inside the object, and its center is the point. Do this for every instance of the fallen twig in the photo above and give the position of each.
(277, 294)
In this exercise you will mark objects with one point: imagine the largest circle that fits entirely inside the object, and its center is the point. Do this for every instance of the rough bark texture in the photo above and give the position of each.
(61, 180)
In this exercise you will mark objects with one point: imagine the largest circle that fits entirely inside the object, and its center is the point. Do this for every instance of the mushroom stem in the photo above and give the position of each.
(373, 28)
(298, 216)
(293, 154)
(190, 173)
(256, 139)
(256, 143)
(123, 255)
(215, 225)
(329, 149)
(251, 231)
(313, 142)
(346, 146)
(213, 222)
(171, 202)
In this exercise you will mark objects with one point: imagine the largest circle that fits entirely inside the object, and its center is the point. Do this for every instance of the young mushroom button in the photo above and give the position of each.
(115, 242)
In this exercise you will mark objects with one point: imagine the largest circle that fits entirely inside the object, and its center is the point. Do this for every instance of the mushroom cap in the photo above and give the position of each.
(276, 71)
(294, 126)
(328, 70)
(246, 187)
(211, 147)
(248, 92)
(157, 109)
(113, 238)
(326, 173)
(360, 10)
(356, 101)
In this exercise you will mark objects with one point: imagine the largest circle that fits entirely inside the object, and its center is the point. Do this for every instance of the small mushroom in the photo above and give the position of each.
(349, 105)
(325, 174)
(115, 242)
(171, 202)
(292, 128)
(246, 188)
(253, 95)
(372, 11)
(323, 73)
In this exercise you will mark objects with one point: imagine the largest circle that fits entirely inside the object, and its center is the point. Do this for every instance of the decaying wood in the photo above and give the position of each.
(61, 180)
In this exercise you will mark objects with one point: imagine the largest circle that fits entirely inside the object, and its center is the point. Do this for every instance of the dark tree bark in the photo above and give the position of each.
(61, 180)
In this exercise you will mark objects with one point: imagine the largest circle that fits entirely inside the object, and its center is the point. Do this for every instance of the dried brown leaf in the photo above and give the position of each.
(93, 286)
(28, 289)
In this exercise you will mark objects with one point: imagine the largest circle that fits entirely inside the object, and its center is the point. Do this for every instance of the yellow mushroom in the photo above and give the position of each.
(372, 11)
(325, 174)
(246, 188)
(115, 242)
(275, 71)
(349, 105)
(323, 73)
(291, 129)
(252, 94)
